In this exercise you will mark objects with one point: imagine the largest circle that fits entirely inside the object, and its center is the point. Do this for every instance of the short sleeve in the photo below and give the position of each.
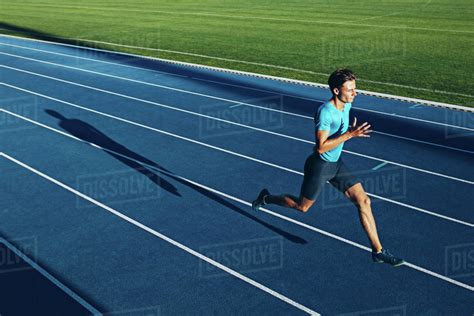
(323, 120)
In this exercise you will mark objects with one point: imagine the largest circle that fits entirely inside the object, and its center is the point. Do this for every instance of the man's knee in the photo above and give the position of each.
(363, 202)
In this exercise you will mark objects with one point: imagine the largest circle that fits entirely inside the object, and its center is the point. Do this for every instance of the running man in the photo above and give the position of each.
(325, 164)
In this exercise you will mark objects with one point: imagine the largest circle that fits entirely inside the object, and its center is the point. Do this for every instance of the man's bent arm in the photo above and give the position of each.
(326, 144)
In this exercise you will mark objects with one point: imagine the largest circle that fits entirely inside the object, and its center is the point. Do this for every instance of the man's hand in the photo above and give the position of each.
(361, 130)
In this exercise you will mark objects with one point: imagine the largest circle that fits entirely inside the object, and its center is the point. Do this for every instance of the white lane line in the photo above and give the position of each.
(105, 52)
(426, 143)
(277, 67)
(354, 107)
(96, 60)
(282, 217)
(232, 123)
(152, 70)
(157, 104)
(234, 154)
(49, 276)
(244, 73)
(149, 128)
(440, 276)
(417, 119)
(208, 57)
(248, 104)
(240, 17)
(410, 167)
(173, 74)
(166, 238)
(419, 209)
(200, 94)
(146, 83)
(379, 166)
(262, 90)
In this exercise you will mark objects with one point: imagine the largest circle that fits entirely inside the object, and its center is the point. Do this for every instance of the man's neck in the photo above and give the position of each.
(338, 104)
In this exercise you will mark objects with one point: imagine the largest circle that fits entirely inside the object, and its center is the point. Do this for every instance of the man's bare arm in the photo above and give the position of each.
(326, 144)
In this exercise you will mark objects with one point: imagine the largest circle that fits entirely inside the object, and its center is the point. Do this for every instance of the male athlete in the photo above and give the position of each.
(325, 164)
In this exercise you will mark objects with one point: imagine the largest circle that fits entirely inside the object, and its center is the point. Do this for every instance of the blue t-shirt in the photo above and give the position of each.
(328, 118)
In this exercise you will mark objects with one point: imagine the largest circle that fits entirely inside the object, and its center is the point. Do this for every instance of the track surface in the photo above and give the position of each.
(134, 178)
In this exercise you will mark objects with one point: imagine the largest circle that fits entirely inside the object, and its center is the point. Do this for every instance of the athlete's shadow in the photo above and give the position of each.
(89, 133)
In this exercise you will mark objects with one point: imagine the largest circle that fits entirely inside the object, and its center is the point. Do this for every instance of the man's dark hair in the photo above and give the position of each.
(339, 77)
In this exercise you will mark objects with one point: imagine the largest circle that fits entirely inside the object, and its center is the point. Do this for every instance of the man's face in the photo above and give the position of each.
(347, 93)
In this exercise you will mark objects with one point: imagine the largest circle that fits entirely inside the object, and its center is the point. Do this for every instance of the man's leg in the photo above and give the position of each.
(347, 183)
(313, 182)
(301, 204)
(358, 196)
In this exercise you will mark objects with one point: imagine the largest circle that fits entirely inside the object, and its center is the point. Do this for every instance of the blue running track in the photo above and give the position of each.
(129, 181)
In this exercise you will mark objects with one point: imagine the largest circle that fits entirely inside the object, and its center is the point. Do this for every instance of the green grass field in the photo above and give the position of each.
(415, 48)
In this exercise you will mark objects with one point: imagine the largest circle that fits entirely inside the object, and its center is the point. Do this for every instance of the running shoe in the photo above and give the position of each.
(386, 257)
(259, 202)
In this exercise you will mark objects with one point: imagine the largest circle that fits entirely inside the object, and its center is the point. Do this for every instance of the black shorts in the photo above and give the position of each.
(317, 171)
